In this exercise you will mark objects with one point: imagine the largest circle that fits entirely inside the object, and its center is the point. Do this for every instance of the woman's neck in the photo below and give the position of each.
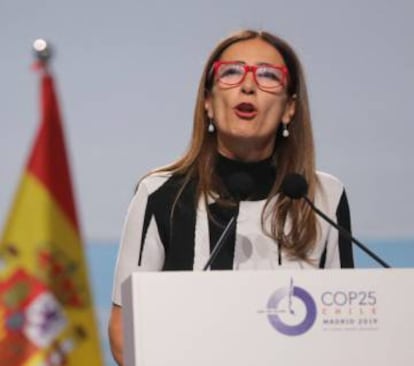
(245, 151)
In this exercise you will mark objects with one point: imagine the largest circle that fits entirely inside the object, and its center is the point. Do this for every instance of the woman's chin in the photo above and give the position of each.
(246, 140)
(242, 134)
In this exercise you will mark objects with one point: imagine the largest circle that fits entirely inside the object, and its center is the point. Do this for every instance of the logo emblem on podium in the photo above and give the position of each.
(291, 310)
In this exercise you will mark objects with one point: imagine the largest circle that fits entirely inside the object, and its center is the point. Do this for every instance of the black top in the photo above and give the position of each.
(250, 181)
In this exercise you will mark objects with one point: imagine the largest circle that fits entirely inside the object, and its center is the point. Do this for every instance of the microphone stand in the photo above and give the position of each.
(220, 242)
(345, 233)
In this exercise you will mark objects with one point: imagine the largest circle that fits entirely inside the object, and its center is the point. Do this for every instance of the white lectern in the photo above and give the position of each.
(268, 318)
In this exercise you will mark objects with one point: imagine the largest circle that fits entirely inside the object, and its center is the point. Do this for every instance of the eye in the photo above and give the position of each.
(230, 70)
(270, 73)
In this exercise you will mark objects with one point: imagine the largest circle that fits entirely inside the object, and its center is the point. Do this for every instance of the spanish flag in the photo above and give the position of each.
(46, 307)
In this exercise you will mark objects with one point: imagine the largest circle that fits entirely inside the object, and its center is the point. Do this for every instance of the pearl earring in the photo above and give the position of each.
(285, 131)
(211, 127)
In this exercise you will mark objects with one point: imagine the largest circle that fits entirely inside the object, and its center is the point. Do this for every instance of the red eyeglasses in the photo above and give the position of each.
(268, 77)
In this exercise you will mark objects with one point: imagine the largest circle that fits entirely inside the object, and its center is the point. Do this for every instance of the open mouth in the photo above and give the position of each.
(245, 110)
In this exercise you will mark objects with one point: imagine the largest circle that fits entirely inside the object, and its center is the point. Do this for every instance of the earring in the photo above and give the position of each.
(211, 128)
(285, 131)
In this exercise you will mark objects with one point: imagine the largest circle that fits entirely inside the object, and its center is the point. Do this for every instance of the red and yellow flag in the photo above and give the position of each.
(46, 308)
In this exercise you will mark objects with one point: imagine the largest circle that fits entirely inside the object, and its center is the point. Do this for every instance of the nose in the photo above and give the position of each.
(248, 85)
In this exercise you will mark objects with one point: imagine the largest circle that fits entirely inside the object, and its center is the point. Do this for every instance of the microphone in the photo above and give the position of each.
(241, 185)
(295, 186)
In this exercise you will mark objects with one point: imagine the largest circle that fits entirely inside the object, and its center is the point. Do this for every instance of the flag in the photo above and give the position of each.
(46, 307)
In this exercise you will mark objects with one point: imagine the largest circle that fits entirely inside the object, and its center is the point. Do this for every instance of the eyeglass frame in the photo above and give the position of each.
(253, 69)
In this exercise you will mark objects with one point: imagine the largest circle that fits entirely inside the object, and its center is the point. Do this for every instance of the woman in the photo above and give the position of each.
(252, 127)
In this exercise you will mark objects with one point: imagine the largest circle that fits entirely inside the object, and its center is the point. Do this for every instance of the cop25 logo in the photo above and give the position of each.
(291, 310)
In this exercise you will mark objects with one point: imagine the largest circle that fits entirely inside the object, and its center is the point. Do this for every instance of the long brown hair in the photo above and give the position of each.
(293, 154)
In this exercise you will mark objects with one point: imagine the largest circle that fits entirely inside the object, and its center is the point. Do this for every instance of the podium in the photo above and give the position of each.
(268, 318)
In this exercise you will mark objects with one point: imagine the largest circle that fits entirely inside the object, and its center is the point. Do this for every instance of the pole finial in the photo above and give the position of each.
(42, 50)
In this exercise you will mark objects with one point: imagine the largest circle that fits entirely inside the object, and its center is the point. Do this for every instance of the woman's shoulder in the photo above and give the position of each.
(328, 179)
(330, 185)
(153, 180)
(163, 182)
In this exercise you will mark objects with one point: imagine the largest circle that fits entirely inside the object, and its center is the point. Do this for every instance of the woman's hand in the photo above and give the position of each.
(115, 334)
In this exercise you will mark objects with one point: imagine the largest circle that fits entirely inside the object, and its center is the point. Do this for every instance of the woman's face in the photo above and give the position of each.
(246, 116)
